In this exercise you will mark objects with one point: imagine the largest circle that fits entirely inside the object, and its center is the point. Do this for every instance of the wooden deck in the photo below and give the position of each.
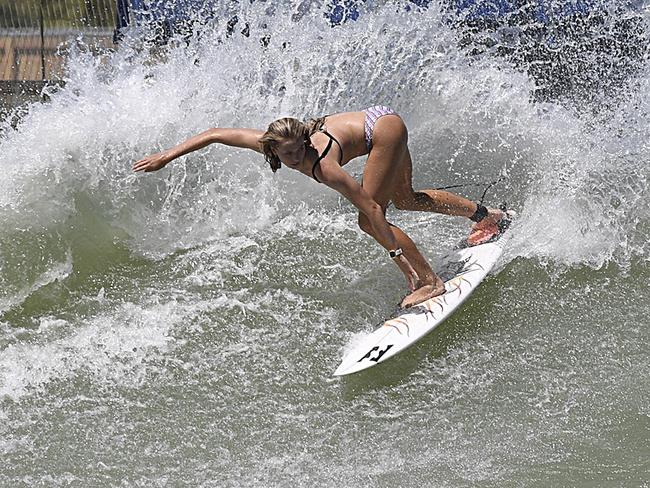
(20, 56)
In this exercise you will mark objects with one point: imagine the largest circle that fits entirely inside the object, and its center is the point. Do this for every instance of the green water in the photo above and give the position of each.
(539, 380)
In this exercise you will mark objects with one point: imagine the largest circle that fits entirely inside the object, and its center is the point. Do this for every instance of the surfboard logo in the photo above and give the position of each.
(379, 353)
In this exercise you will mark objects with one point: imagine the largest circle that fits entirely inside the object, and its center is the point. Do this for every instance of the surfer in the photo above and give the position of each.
(320, 147)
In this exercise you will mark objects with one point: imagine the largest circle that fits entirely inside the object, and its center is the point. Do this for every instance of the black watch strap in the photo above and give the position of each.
(397, 252)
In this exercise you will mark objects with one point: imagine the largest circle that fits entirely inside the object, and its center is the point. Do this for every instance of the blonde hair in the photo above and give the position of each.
(285, 129)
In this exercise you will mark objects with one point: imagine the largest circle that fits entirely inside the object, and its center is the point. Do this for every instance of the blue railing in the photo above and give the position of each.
(341, 11)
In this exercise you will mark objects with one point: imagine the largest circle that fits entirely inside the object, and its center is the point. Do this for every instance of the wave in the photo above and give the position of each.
(579, 182)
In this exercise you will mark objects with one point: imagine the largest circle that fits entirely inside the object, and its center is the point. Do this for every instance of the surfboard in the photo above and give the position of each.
(462, 269)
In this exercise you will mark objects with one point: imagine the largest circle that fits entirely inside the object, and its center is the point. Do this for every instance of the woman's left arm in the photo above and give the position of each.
(355, 193)
(339, 180)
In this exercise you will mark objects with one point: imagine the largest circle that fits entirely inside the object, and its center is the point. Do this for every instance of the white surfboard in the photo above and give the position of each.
(462, 269)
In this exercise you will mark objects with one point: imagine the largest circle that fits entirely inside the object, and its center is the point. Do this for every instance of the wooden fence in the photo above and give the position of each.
(30, 57)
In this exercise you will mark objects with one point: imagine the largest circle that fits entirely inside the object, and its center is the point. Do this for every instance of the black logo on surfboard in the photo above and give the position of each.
(379, 353)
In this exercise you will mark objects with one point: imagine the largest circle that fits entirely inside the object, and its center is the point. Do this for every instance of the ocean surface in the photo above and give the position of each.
(181, 328)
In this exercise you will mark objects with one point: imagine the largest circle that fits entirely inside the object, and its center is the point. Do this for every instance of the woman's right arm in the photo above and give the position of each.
(246, 138)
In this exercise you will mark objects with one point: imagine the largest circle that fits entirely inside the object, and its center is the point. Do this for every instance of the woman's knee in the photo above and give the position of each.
(406, 200)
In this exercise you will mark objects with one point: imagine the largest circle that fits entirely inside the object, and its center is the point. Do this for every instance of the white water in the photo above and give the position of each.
(216, 281)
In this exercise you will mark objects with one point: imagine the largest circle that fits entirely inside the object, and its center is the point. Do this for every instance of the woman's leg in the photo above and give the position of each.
(439, 201)
(380, 177)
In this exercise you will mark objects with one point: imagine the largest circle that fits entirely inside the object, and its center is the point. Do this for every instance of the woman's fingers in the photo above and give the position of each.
(141, 164)
(151, 163)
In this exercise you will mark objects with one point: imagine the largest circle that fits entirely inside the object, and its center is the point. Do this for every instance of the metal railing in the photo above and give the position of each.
(32, 31)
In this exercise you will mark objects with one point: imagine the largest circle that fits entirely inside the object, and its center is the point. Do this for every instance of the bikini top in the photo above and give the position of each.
(327, 148)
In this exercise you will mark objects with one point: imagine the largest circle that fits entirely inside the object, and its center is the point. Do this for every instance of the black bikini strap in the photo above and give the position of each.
(332, 138)
(327, 148)
(318, 160)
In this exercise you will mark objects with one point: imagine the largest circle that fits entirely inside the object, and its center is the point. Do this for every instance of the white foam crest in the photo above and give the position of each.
(109, 347)
(578, 186)
(88, 137)
(588, 202)
(317, 223)
(470, 118)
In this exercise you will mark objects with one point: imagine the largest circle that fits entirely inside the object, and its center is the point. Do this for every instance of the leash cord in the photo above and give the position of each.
(462, 185)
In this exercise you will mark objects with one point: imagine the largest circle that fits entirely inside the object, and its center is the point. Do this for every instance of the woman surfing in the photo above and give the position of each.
(321, 147)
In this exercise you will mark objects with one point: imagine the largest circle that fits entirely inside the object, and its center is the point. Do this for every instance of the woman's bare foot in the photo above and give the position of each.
(423, 293)
(487, 228)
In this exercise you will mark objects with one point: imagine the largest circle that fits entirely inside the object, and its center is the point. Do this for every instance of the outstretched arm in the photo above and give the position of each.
(246, 138)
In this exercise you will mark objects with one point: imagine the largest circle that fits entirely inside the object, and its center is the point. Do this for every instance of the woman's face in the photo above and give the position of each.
(291, 152)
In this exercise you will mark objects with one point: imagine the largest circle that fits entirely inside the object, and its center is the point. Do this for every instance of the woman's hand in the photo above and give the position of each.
(412, 277)
(153, 162)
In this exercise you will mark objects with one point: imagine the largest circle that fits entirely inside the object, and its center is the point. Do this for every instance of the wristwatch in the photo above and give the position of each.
(395, 253)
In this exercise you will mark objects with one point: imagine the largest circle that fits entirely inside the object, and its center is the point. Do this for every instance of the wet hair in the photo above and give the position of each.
(285, 129)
